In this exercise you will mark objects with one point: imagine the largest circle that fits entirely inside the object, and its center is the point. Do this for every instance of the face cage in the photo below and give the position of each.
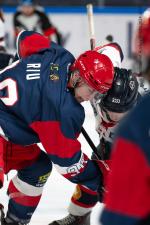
(103, 112)
(107, 115)
(98, 96)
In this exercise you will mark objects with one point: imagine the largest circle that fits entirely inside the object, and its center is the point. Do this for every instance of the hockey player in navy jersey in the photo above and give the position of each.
(109, 110)
(127, 201)
(40, 102)
(32, 164)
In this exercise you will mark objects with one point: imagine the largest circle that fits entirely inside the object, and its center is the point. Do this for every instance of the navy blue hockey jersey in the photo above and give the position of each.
(35, 89)
(128, 198)
(36, 106)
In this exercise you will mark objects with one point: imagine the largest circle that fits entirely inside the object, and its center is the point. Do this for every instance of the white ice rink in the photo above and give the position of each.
(58, 190)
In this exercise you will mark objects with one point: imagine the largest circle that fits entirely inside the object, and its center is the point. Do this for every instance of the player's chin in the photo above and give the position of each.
(79, 99)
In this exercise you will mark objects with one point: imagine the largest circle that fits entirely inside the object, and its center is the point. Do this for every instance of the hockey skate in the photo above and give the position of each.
(73, 220)
(14, 223)
(1, 214)
(2, 218)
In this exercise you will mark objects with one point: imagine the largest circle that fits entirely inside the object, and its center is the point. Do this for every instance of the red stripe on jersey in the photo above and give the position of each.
(129, 183)
(21, 198)
(54, 141)
(76, 202)
(87, 190)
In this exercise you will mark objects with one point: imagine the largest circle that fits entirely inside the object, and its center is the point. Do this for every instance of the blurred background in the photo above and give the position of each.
(82, 2)
(114, 20)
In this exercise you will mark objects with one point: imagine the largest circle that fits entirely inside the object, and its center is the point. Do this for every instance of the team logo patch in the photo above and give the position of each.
(132, 84)
(96, 61)
(54, 77)
(54, 68)
(42, 179)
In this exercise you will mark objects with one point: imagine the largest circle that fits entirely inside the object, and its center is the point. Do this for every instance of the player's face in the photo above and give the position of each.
(27, 10)
(116, 117)
(84, 93)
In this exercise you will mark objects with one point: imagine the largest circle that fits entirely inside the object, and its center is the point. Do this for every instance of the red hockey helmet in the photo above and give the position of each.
(96, 69)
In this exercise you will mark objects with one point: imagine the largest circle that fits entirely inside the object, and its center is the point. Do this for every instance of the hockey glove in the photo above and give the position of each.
(104, 167)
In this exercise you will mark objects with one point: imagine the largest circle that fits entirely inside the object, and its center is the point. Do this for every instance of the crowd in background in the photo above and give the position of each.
(82, 3)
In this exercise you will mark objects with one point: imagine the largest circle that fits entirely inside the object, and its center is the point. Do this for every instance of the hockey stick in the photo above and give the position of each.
(91, 25)
(89, 141)
(92, 45)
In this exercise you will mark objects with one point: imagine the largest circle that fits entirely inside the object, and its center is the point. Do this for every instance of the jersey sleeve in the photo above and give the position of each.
(46, 25)
(66, 155)
(30, 42)
(127, 201)
(113, 51)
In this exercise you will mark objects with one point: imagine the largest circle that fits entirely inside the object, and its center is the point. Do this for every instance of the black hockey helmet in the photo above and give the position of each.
(123, 94)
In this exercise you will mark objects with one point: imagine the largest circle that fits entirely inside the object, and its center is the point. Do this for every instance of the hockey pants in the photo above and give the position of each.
(25, 189)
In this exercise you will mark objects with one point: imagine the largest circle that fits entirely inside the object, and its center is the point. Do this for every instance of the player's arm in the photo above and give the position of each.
(67, 156)
(48, 29)
(113, 51)
(18, 26)
(127, 201)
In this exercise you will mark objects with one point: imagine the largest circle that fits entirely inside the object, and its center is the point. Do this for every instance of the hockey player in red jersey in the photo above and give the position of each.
(48, 77)
(127, 201)
(109, 110)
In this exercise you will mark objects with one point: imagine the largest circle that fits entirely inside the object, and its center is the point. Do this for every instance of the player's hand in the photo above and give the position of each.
(1, 177)
(104, 167)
